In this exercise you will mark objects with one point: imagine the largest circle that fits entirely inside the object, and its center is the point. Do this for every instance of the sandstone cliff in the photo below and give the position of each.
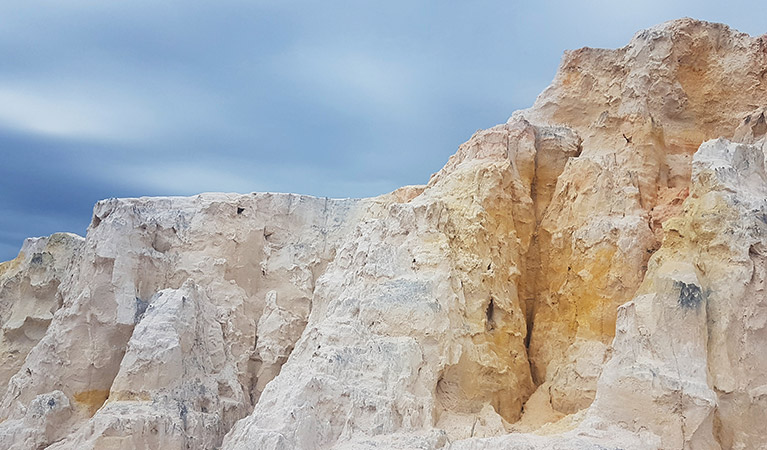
(590, 274)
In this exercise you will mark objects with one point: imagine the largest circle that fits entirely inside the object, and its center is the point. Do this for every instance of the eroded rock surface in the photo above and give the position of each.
(29, 295)
(589, 274)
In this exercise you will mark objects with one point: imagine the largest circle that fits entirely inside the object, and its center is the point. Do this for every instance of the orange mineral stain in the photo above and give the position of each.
(92, 400)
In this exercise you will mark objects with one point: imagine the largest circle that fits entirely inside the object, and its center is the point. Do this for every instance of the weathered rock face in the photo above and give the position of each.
(704, 293)
(589, 274)
(29, 295)
(156, 336)
(642, 111)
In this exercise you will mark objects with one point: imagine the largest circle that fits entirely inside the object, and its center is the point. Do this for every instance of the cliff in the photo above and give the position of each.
(588, 275)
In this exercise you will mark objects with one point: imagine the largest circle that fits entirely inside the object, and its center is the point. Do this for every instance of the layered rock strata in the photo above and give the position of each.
(589, 274)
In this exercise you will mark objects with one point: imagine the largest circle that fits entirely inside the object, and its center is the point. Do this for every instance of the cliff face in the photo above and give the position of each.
(589, 274)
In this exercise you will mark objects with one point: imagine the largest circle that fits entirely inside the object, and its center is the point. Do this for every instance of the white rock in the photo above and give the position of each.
(584, 276)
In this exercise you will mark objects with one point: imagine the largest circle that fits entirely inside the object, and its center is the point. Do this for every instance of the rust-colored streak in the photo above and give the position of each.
(126, 396)
(92, 400)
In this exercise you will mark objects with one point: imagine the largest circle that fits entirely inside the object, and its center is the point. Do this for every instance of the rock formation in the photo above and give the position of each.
(588, 275)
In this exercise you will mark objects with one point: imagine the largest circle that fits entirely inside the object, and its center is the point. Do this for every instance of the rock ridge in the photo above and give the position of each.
(588, 275)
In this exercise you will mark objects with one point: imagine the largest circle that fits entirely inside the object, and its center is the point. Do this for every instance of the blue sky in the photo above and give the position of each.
(343, 99)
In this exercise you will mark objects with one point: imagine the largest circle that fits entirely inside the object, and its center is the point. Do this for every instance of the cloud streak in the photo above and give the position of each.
(57, 114)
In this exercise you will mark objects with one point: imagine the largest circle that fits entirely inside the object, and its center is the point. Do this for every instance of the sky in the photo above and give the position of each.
(328, 98)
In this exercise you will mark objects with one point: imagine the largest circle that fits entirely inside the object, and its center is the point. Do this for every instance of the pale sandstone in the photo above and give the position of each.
(235, 249)
(476, 312)
(642, 111)
(29, 295)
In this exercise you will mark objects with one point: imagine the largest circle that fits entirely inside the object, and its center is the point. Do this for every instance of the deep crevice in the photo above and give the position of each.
(489, 312)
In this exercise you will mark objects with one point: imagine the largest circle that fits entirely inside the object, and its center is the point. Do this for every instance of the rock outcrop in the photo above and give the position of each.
(588, 275)
(29, 295)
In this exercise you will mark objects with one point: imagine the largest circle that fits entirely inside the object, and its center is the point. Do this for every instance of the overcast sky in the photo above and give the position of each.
(345, 99)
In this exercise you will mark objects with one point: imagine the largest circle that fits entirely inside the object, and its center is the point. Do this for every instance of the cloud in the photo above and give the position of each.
(345, 77)
(186, 179)
(50, 111)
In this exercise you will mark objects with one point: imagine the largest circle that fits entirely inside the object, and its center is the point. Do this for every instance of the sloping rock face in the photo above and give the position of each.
(588, 275)
(29, 295)
(156, 343)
